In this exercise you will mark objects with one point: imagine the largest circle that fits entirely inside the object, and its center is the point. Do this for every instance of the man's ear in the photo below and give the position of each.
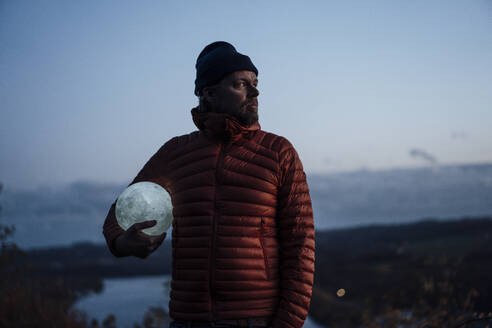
(208, 92)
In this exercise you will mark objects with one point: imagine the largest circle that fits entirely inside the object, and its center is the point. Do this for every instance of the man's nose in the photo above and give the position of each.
(253, 91)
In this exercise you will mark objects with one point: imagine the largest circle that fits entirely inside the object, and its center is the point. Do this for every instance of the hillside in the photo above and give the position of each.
(431, 271)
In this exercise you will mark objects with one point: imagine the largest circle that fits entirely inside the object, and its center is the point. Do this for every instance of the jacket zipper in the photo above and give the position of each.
(262, 242)
(214, 233)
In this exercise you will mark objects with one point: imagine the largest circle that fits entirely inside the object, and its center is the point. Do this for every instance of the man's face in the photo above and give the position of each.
(235, 94)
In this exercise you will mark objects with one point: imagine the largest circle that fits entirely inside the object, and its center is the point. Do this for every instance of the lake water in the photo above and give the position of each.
(129, 298)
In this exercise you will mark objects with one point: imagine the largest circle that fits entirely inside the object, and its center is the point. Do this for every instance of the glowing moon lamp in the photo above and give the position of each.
(144, 201)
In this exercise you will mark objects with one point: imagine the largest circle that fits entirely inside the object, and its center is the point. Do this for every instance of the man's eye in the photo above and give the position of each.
(244, 84)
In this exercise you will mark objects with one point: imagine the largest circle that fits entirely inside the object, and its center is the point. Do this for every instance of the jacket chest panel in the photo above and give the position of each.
(236, 160)
(225, 179)
(242, 187)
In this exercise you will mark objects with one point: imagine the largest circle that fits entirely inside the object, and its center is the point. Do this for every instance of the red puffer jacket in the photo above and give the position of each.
(243, 232)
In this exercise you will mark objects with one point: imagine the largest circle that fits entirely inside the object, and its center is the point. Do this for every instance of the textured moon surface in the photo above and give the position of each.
(144, 201)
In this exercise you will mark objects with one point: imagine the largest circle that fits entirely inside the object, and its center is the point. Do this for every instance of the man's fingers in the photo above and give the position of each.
(144, 224)
(161, 238)
(157, 240)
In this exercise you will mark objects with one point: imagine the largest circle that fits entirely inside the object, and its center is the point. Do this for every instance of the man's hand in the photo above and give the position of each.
(134, 242)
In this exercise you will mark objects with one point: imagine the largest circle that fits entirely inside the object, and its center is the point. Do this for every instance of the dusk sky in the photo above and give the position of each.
(89, 90)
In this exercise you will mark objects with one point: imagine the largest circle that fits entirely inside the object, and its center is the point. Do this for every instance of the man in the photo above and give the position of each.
(243, 233)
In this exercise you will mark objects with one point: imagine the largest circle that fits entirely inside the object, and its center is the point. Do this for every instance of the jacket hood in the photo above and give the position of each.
(221, 126)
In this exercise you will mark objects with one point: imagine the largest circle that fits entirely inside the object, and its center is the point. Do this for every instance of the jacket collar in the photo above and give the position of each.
(221, 126)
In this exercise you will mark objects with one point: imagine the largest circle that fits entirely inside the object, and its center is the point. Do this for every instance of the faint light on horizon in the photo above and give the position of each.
(341, 292)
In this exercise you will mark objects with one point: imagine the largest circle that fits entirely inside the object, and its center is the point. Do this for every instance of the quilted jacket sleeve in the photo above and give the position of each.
(296, 228)
(150, 172)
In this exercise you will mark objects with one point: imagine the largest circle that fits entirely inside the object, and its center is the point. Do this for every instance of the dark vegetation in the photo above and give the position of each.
(425, 274)
(39, 288)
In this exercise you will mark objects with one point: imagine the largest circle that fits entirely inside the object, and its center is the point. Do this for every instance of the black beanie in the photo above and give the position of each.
(216, 61)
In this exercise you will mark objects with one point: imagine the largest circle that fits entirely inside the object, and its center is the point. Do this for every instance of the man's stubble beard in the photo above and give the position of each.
(248, 116)
(245, 116)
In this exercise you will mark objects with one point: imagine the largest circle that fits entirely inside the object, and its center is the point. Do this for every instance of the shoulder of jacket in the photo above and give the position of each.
(179, 141)
(274, 142)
